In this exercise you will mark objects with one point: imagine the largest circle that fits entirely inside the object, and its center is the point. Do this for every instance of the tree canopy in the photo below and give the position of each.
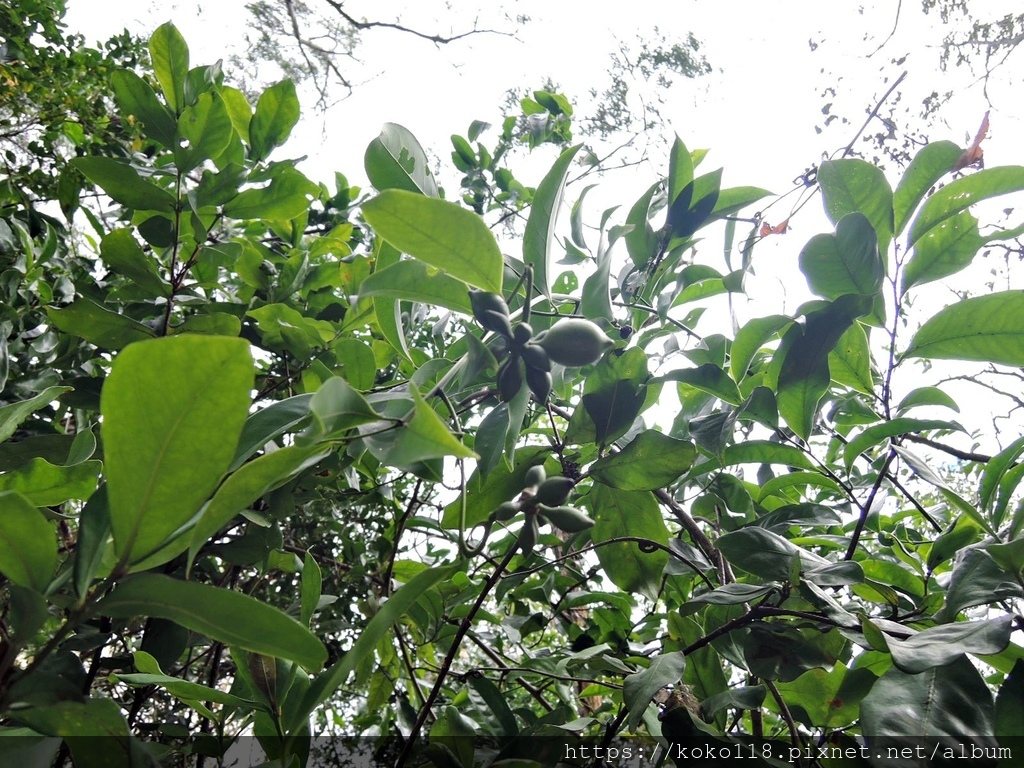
(342, 471)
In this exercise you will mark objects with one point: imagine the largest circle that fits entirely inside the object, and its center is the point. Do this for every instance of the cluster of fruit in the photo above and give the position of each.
(572, 341)
(543, 501)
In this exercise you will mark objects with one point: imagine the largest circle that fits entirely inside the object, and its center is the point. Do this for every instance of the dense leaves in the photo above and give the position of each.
(289, 460)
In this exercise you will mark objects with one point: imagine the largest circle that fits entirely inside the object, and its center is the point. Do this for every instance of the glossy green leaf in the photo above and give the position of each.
(639, 689)
(961, 533)
(173, 410)
(985, 328)
(204, 132)
(650, 461)
(961, 194)
(124, 185)
(764, 553)
(489, 441)
(136, 98)
(872, 436)
(389, 614)
(277, 112)
(388, 312)
(337, 407)
(952, 498)
(930, 164)
(942, 645)
(680, 170)
(395, 160)
(852, 185)
(995, 469)
(93, 540)
(943, 250)
(628, 513)
(181, 689)
(927, 396)
(412, 280)
(310, 589)
(765, 452)
(249, 483)
(641, 240)
(797, 480)
(977, 580)
(169, 53)
(268, 424)
(46, 485)
(288, 195)
(750, 338)
(485, 493)
(779, 652)
(846, 262)
(540, 226)
(98, 325)
(11, 416)
(421, 436)
(951, 701)
(228, 617)
(849, 363)
(730, 594)
(122, 253)
(804, 374)
(710, 378)
(615, 392)
(28, 543)
(94, 730)
(1010, 705)
(238, 108)
(440, 234)
(734, 199)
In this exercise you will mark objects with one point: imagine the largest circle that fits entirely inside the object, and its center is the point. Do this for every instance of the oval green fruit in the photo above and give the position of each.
(574, 342)
(534, 476)
(569, 519)
(554, 491)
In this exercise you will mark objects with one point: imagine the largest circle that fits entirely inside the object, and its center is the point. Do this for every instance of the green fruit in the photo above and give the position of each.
(539, 383)
(510, 378)
(529, 534)
(505, 511)
(569, 519)
(534, 476)
(554, 491)
(491, 311)
(535, 357)
(574, 342)
(522, 333)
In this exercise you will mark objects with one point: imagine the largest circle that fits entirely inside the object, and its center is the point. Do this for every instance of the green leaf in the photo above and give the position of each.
(709, 378)
(846, 262)
(929, 165)
(94, 730)
(984, 328)
(268, 424)
(288, 195)
(93, 540)
(995, 469)
(97, 325)
(900, 426)
(765, 452)
(413, 280)
(204, 132)
(927, 396)
(485, 493)
(961, 194)
(734, 199)
(46, 485)
(804, 374)
(977, 580)
(680, 170)
(28, 543)
(439, 233)
(124, 185)
(750, 338)
(650, 461)
(389, 614)
(220, 614)
(277, 112)
(181, 689)
(765, 554)
(641, 240)
(852, 185)
(122, 253)
(850, 362)
(615, 393)
(639, 688)
(540, 226)
(951, 702)
(942, 645)
(11, 416)
(337, 407)
(136, 98)
(310, 588)
(422, 436)
(628, 513)
(395, 160)
(249, 483)
(169, 54)
(388, 312)
(943, 250)
(730, 594)
(173, 410)
(1010, 705)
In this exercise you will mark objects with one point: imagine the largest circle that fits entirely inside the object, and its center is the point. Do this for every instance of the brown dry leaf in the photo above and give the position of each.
(974, 153)
(779, 229)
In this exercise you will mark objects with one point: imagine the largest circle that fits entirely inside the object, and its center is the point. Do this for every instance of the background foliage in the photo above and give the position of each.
(288, 460)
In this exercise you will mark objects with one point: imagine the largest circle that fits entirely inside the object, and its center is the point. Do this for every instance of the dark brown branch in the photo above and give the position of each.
(962, 455)
(437, 39)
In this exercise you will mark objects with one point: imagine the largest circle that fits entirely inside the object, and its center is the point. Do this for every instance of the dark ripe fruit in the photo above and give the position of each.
(534, 476)
(510, 378)
(539, 383)
(569, 519)
(574, 342)
(535, 357)
(522, 333)
(554, 491)
(482, 302)
(498, 323)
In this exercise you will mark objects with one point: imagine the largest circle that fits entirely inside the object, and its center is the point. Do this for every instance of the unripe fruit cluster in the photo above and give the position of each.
(543, 501)
(572, 341)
